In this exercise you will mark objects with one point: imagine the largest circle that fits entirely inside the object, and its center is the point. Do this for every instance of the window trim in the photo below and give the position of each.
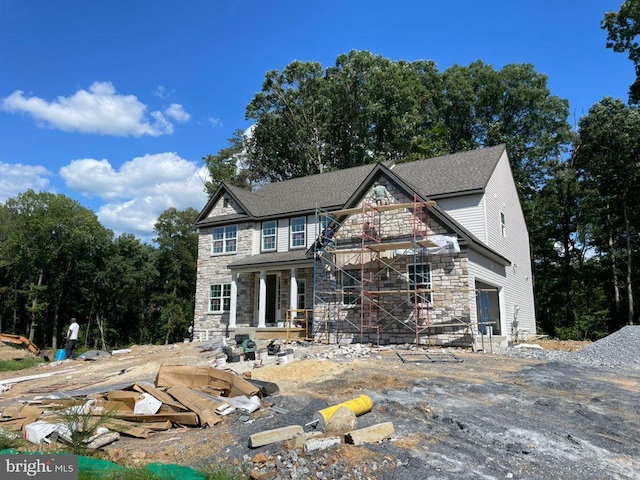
(274, 235)
(225, 239)
(224, 297)
(428, 296)
(292, 233)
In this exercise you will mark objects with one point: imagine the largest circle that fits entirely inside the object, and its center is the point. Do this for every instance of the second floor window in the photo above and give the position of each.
(297, 232)
(503, 225)
(269, 230)
(225, 239)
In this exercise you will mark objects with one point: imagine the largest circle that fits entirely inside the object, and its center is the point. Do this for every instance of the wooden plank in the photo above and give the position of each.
(390, 292)
(379, 247)
(346, 211)
(426, 243)
(204, 407)
(132, 429)
(164, 397)
(183, 418)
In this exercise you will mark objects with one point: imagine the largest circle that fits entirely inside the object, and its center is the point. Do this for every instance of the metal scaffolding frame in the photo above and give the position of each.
(372, 253)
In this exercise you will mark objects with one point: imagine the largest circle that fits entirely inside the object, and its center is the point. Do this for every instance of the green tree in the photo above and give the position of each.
(177, 260)
(290, 113)
(608, 162)
(122, 291)
(514, 106)
(623, 28)
(45, 238)
(230, 164)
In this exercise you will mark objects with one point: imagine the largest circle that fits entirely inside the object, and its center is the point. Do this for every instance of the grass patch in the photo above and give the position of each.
(19, 364)
(9, 440)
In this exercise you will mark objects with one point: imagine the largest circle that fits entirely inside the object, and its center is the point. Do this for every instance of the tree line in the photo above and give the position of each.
(576, 186)
(57, 261)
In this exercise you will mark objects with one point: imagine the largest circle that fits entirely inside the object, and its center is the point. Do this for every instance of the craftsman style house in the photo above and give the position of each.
(444, 259)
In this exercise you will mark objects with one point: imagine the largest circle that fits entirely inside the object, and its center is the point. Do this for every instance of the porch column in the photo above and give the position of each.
(234, 300)
(293, 300)
(262, 304)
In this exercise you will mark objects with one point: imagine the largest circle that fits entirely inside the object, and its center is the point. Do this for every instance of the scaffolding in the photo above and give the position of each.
(378, 263)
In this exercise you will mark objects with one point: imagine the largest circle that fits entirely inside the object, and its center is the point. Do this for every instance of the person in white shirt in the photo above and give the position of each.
(72, 339)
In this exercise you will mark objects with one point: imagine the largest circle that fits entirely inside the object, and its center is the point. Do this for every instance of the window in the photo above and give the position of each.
(420, 280)
(301, 294)
(225, 202)
(225, 239)
(351, 286)
(220, 297)
(503, 225)
(269, 236)
(297, 232)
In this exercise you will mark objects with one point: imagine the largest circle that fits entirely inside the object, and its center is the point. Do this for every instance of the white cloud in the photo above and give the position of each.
(17, 178)
(138, 192)
(96, 110)
(215, 122)
(177, 112)
(161, 92)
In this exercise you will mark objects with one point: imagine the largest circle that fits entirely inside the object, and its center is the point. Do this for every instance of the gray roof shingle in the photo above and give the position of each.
(460, 172)
(433, 177)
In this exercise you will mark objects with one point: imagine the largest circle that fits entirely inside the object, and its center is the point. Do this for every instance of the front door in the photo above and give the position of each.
(271, 315)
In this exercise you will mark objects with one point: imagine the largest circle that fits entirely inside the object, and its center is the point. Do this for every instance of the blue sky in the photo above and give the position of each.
(115, 103)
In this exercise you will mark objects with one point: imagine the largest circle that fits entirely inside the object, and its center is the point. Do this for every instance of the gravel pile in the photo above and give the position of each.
(619, 350)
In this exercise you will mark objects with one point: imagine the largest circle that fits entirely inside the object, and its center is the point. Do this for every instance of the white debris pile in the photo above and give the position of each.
(342, 352)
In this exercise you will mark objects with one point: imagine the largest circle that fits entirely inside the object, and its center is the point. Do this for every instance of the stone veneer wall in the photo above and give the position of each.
(212, 269)
(389, 318)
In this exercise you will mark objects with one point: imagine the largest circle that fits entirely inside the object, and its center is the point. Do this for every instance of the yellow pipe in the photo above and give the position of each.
(358, 406)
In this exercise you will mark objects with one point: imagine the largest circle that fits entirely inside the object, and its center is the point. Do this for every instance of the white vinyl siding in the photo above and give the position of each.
(502, 197)
(283, 235)
(469, 211)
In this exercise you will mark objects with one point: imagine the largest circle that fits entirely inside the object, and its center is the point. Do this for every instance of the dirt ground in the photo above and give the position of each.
(484, 416)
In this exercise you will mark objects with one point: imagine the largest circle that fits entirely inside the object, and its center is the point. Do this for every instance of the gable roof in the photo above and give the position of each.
(464, 172)
(328, 190)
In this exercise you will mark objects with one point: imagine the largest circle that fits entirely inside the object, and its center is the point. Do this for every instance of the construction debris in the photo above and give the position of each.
(373, 434)
(183, 395)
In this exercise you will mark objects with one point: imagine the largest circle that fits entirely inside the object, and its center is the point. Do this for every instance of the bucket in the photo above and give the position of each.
(282, 358)
(280, 324)
(358, 406)
(221, 362)
(263, 354)
(61, 355)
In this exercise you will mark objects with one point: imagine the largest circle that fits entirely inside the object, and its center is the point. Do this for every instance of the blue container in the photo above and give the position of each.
(61, 354)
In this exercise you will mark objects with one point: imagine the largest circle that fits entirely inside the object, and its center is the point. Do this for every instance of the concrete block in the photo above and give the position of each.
(373, 434)
(313, 444)
(273, 436)
(298, 441)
